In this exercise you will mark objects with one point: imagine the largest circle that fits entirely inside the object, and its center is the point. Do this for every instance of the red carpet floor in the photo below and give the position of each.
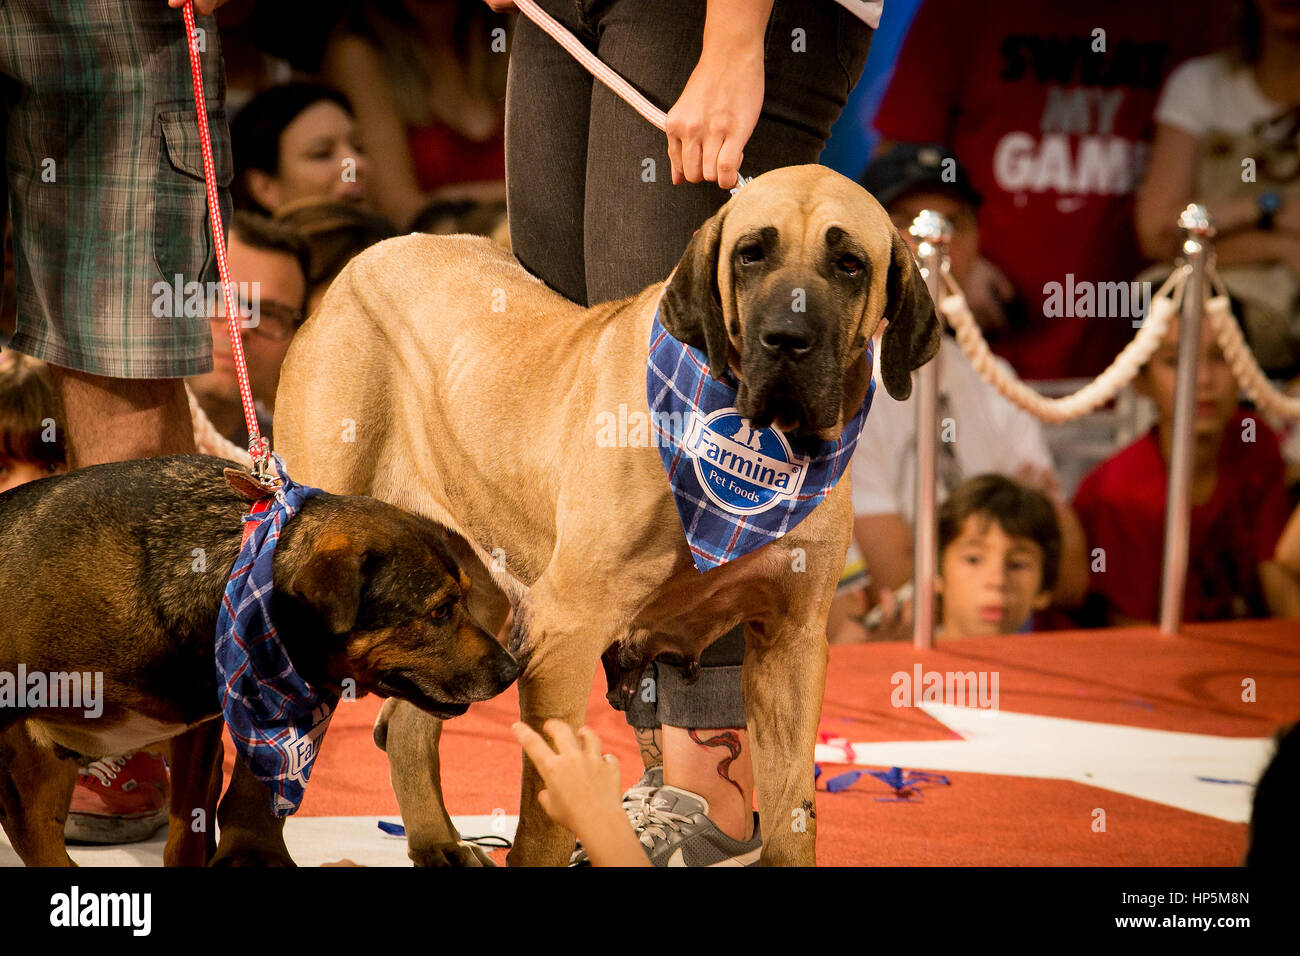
(1130, 678)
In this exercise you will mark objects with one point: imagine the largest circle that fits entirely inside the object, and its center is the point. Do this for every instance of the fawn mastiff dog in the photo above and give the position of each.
(439, 375)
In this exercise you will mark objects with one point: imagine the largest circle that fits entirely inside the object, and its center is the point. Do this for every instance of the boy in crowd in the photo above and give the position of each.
(1239, 504)
(999, 557)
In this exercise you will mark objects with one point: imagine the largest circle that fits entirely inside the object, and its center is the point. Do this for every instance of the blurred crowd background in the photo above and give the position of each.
(1061, 140)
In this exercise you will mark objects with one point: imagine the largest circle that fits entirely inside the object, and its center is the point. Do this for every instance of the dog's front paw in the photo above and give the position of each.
(451, 854)
(251, 856)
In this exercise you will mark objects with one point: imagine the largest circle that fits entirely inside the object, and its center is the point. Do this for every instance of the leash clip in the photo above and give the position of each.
(259, 449)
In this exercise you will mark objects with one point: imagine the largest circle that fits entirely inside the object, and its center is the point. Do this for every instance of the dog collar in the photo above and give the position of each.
(276, 718)
(736, 487)
(257, 509)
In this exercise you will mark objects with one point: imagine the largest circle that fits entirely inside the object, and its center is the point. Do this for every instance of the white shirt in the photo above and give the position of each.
(989, 434)
(866, 10)
(1214, 92)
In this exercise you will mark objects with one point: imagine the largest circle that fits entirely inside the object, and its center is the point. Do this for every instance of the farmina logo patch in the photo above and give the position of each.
(735, 487)
(744, 469)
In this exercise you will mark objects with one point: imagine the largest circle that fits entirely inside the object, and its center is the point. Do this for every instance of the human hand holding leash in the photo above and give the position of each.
(582, 791)
(201, 7)
(714, 117)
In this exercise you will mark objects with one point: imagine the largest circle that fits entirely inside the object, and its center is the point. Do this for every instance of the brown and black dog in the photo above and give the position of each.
(119, 570)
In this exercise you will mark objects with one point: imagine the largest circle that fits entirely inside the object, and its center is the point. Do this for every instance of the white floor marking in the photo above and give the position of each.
(1157, 765)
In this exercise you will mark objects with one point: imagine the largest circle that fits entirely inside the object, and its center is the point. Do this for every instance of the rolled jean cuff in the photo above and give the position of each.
(715, 700)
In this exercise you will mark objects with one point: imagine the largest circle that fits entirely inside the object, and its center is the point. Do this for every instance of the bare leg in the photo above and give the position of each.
(716, 765)
(118, 419)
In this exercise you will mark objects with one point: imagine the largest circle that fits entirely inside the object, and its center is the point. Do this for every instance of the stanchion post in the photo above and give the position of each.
(933, 233)
(1198, 230)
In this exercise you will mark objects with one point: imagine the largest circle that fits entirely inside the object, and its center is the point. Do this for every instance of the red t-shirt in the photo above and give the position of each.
(1121, 505)
(443, 157)
(1053, 135)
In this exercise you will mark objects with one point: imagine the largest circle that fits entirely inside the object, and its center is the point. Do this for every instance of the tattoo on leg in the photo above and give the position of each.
(731, 740)
(647, 738)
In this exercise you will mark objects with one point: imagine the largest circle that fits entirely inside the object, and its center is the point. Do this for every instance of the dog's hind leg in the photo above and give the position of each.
(410, 738)
(784, 678)
(195, 761)
(35, 792)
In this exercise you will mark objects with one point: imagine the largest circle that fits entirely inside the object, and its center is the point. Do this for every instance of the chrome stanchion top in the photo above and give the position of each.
(1196, 223)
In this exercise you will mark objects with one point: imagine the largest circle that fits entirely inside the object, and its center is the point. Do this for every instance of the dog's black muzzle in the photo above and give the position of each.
(790, 373)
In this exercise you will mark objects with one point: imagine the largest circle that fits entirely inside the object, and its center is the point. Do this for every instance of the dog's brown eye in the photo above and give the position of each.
(751, 254)
(443, 610)
(850, 265)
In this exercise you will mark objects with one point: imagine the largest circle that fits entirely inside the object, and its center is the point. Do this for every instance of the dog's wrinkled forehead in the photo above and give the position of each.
(803, 203)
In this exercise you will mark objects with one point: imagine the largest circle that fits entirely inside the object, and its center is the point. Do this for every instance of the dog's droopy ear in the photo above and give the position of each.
(246, 485)
(691, 307)
(330, 584)
(912, 336)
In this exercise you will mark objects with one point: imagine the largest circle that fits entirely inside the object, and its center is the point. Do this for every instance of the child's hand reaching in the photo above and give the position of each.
(582, 792)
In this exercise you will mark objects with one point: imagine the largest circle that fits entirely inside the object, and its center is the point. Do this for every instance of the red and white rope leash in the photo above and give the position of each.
(259, 447)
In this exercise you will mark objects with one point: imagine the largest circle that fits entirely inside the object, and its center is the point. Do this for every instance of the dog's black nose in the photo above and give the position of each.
(794, 341)
(507, 669)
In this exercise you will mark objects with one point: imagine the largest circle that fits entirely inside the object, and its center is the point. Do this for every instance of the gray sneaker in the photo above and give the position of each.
(676, 830)
(635, 800)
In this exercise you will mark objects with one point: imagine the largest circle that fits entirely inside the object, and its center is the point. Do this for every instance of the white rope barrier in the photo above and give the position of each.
(1096, 393)
(1241, 360)
(1164, 305)
(208, 440)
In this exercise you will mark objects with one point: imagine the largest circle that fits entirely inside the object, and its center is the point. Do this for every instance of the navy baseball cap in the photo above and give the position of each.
(908, 167)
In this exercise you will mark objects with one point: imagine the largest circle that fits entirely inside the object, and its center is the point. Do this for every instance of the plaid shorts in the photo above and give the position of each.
(103, 181)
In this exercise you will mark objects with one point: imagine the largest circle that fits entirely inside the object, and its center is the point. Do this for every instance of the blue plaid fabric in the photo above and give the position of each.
(276, 719)
(736, 488)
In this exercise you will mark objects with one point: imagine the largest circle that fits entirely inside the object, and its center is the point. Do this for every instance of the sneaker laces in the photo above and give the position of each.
(657, 821)
(635, 805)
(105, 770)
(636, 800)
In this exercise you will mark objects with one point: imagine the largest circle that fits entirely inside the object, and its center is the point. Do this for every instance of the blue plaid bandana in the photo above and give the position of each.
(736, 487)
(276, 719)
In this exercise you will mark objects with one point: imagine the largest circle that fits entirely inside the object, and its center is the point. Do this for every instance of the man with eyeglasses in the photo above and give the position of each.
(268, 269)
